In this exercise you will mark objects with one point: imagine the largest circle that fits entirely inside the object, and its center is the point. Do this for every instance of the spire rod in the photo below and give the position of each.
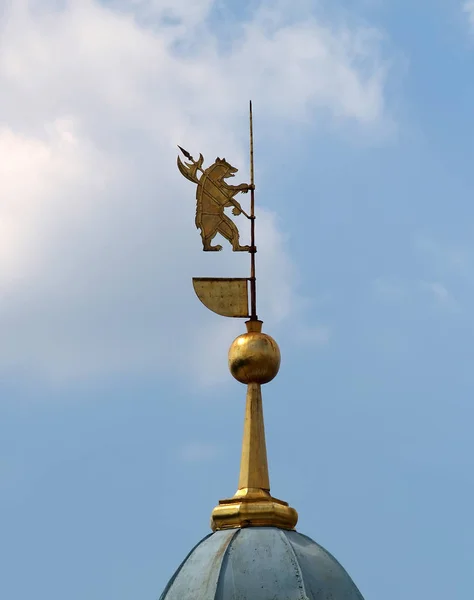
(253, 248)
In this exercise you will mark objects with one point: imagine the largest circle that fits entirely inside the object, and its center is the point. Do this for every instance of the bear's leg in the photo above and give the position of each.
(228, 229)
(208, 233)
(206, 244)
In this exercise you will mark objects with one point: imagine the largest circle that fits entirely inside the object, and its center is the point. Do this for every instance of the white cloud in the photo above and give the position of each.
(437, 289)
(411, 292)
(198, 452)
(447, 266)
(451, 267)
(452, 257)
(468, 8)
(314, 335)
(97, 240)
(391, 288)
(440, 294)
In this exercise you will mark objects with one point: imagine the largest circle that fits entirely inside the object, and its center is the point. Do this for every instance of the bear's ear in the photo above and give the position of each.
(218, 159)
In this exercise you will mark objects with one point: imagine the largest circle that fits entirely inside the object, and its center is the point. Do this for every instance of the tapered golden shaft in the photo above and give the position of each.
(254, 464)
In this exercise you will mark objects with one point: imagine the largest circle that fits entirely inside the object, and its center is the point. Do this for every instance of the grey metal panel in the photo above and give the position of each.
(178, 570)
(324, 577)
(260, 565)
(198, 576)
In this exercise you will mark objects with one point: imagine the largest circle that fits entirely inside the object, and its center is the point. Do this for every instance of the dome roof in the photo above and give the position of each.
(260, 563)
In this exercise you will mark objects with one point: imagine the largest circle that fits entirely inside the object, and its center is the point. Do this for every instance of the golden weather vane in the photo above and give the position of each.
(254, 357)
(225, 296)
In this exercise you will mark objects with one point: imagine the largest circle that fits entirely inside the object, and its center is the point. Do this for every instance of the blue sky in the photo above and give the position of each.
(120, 427)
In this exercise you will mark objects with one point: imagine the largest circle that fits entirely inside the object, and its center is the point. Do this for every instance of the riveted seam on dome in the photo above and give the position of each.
(178, 570)
(333, 559)
(225, 560)
(296, 565)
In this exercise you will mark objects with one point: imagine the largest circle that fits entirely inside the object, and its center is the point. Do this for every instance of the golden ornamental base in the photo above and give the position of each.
(253, 508)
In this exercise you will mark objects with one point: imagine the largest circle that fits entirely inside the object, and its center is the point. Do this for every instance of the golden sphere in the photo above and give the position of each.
(254, 357)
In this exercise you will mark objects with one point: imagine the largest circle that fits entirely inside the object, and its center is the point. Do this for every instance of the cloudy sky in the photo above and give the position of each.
(120, 426)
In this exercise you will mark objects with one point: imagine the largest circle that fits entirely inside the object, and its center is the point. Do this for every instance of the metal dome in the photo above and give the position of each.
(260, 563)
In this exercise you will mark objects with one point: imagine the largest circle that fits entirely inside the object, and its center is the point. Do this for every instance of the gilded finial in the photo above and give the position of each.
(254, 357)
